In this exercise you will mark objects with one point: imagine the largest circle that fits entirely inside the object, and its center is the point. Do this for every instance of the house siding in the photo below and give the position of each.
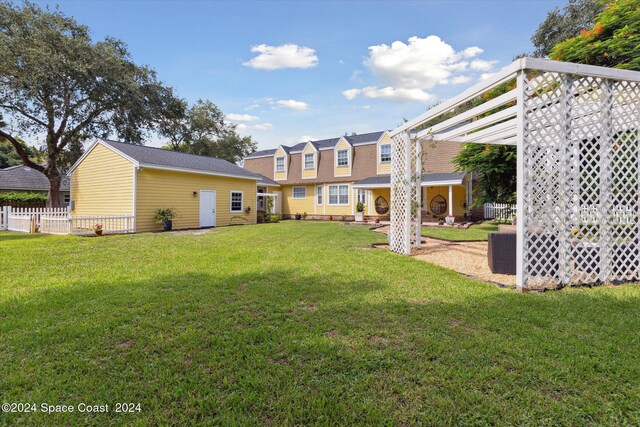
(102, 184)
(169, 189)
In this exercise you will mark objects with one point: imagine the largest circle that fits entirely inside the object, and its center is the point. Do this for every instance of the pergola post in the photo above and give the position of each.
(520, 84)
(450, 200)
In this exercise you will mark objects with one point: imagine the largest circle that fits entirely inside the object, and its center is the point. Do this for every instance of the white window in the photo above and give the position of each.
(236, 201)
(385, 153)
(308, 161)
(299, 192)
(279, 164)
(319, 200)
(361, 196)
(67, 199)
(343, 157)
(339, 194)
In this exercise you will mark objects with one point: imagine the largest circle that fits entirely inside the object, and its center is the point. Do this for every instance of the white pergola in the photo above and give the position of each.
(576, 128)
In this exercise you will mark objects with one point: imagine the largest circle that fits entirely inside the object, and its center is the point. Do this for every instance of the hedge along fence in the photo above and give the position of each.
(23, 199)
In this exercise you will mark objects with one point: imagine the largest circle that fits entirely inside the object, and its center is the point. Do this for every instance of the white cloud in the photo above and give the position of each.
(305, 138)
(292, 104)
(242, 117)
(262, 126)
(390, 93)
(284, 56)
(407, 71)
(482, 65)
(241, 127)
(485, 76)
(457, 80)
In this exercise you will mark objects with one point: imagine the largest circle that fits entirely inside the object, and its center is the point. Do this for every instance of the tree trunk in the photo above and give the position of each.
(53, 198)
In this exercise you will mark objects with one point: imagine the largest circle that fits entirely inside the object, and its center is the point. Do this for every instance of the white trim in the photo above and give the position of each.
(338, 194)
(231, 201)
(90, 149)
(293, 192)
(422, 184)
(135, 196)
(170, 168)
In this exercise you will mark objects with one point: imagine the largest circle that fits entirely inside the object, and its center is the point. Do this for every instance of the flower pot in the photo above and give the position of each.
(298, 216)
(450, 220)
(167, 224)
(359, 216)
(98, 232)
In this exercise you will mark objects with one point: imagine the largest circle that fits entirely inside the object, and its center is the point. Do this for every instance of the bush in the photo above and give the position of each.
(164, 214)
(274, 217)
(263, 218)
(23, 199)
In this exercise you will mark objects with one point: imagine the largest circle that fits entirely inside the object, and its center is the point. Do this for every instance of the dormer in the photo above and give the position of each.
(343, 158)
(383, 156)
(281, 163)
(310, 158)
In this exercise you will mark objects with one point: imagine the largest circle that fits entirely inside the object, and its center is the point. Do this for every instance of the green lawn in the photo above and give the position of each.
(301, 323)
(474, 232)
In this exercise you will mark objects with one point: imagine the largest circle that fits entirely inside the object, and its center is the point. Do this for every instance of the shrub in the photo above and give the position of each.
(359, 207)
(23, 199)
(274, 217)
(164, 214)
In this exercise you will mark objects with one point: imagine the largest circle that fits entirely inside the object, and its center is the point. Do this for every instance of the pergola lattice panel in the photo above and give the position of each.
(577, 132)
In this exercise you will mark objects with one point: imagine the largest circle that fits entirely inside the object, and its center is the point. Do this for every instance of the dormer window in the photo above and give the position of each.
(385, 153)
(279, 164)
(308, 161)
(343, 157)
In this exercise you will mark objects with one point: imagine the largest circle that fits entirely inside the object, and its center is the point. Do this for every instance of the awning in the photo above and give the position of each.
(428, 180)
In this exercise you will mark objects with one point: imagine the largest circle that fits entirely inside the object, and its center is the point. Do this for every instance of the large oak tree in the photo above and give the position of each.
(59, 86)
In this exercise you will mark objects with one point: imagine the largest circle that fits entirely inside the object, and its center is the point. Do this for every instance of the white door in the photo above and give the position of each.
(207, 208)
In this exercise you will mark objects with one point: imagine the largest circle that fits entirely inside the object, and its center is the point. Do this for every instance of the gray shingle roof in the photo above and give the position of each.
(24, 178)
(426, 178)
(159, 157)
(267, 181)
(323, 143)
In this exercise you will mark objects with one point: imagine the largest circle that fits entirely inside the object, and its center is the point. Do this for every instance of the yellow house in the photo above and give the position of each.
(327, 178)
(115, 178)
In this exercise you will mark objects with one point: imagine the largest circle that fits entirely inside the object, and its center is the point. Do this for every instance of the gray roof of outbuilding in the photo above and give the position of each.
(426, 178)
(24, 178)
(323, 144)
(267, 181)
(152, 156)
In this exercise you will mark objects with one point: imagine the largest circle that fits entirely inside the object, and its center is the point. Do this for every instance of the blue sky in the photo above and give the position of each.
(289, 70)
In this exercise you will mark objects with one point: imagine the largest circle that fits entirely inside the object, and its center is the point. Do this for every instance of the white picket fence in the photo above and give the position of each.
(499, 211)
(589, 214)
(60, 221)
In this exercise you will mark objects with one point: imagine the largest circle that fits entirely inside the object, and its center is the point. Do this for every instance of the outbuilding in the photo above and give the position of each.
(116, 178)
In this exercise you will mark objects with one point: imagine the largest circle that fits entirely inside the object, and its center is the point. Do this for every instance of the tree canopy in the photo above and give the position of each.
(201, 129)
(58, 85)
(612, 41)
(559, 25)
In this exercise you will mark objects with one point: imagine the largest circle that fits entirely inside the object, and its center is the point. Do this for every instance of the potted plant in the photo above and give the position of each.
(98, 229)
(450, 219)
(165, 216)
(360, 212)
(298, 216)
(304, 215)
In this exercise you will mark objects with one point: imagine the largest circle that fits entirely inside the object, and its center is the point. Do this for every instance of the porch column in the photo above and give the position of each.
(450, 200)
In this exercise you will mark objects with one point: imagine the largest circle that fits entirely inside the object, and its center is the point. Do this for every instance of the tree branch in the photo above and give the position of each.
(21, 152)
(24, 113)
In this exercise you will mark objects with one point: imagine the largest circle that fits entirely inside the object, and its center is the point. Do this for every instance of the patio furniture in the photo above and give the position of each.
(501, 253)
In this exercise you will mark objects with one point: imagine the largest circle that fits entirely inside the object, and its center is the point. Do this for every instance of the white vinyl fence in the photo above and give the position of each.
(60, 221)
(499, 211)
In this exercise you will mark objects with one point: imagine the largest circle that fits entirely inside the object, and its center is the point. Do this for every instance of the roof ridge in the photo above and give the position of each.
(168, 151)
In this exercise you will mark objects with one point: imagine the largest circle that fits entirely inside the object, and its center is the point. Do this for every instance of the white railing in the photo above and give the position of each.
(4, 217)
(499, 211)
(60, 221)
(110, 224)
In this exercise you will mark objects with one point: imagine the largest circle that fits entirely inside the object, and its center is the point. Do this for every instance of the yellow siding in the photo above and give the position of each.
(342, 170)
(383, 168)
(291, 206)
(459, 198)
(102, 184)
(309, 173)
(280, 176)
(168, 189)
(339, 209)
